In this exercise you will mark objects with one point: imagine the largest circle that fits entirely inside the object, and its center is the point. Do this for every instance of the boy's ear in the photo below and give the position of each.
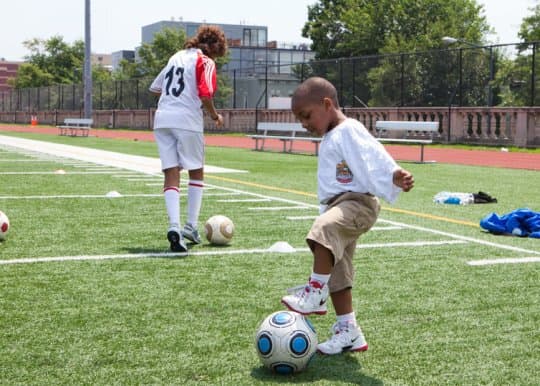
(328, 103)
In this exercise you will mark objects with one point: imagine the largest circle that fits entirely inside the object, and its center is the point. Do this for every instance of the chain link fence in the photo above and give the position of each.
(496, 75)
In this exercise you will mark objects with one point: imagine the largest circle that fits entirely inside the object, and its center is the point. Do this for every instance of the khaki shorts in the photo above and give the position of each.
(338, 229)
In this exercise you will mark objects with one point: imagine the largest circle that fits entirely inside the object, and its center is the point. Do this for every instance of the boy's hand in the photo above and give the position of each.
(403, 179)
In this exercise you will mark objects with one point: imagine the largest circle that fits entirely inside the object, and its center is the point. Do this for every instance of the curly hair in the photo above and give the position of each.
(210, 39)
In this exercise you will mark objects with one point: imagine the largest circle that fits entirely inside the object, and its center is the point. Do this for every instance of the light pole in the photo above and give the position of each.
(87, 62)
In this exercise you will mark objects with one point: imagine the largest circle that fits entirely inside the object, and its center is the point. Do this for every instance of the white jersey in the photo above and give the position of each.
(188, 76)
(352, 160)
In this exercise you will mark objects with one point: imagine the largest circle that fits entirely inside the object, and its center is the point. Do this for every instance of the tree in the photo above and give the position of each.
(529, 30)
(365, 28)
(53, 61)
(153, 56)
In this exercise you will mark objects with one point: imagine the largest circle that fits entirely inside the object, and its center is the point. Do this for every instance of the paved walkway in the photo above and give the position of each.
(495, 157)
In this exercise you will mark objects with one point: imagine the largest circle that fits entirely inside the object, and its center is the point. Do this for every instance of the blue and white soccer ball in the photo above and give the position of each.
(285, 342)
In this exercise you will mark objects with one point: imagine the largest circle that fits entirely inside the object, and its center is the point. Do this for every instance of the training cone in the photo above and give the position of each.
(33, 120)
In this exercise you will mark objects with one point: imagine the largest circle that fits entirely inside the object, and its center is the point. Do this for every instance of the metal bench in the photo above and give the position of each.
(75, 126)
(413, 132)
(283, 131)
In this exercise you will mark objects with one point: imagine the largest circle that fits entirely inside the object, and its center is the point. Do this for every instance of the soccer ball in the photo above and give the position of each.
(219, 230)
(4, 225)
(285, 342)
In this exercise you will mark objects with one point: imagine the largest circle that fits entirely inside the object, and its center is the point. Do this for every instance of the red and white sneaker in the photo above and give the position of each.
(308, 299)
(345, 338)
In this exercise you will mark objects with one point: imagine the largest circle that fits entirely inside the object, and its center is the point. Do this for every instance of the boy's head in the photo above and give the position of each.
(210, 39)
(315, 104)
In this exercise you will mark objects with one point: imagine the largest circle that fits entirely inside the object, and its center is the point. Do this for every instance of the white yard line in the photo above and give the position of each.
(54, 172)
(247, 200)
(279, 208)
(147, 165)
(218, 252)
(509, 260)
(151, 166)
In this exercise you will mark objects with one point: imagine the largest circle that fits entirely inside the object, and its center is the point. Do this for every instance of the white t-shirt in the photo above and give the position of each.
(188, 75)
(351, 159)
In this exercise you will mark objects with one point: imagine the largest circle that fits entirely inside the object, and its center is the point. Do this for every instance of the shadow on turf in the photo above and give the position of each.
(344, 368)
(158, 252)
(154, 251)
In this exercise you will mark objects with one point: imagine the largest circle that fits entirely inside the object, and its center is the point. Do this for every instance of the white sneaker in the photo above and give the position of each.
(349, 338)
(191, 233)
(308, 299)
(175, 238)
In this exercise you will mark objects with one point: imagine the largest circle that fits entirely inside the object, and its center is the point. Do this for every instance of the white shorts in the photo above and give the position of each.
(177, 147)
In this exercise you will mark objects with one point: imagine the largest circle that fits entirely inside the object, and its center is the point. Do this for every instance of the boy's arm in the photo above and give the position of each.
(403, 179)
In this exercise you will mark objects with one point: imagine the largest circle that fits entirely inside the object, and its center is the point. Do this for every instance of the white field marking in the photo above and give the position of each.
(278, 208)
(141, 164)
(147, 165)
(93, 169)
(386, 228)
(76, 196)
(509, 260)
(219, 252)
(67, 173)
(131, 175)
(247, 200)
(25, 160)
(465, 238)
(136, 179)
(375, 228)
(408, 226)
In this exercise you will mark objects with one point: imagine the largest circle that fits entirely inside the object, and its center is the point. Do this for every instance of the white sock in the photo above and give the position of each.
(323, 279)
(194, 201)
(172, 203)
(347, 319)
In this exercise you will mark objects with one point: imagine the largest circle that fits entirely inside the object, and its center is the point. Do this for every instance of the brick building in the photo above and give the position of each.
(8, 70)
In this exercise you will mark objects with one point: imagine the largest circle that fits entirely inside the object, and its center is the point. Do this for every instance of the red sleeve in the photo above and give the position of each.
(206, 76)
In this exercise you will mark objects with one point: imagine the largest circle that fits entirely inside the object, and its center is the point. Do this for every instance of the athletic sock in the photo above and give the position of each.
(346, 320)
(194, 201)
(323, 279)
(172, 203)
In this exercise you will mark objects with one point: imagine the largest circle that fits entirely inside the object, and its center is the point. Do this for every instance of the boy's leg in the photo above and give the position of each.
(311, 298)
(346, 334)
(171, 194)
(194, 202)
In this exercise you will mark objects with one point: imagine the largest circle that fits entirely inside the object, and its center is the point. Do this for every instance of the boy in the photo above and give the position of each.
(353, 170)
(187, 81)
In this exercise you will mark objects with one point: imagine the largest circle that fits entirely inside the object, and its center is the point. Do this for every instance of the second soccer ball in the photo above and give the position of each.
(219, 230)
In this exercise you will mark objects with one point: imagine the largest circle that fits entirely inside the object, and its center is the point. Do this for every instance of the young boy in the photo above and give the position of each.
(353, 170)
(187, 81)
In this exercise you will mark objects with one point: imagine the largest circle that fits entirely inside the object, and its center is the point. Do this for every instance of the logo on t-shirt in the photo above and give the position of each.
(343, 173)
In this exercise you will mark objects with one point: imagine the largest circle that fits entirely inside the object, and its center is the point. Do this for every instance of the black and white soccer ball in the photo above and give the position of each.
(4, 225)
(219, 230)
(286, 342)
